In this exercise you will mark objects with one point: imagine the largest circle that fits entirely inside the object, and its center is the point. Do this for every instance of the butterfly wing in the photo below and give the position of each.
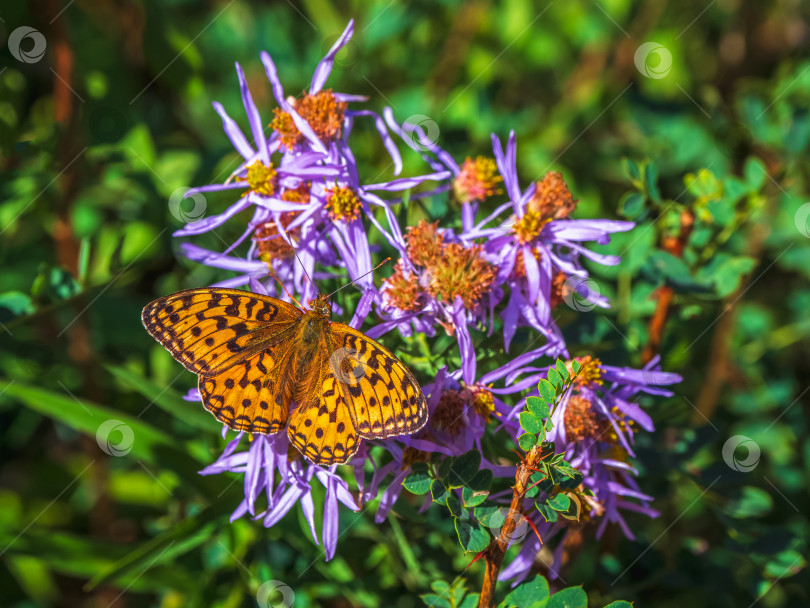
(245, 397)
(321, 428)
(363, 390)
(383, 397)
(210, 330)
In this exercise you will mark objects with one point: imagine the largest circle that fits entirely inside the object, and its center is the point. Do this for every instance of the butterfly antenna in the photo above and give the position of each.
(304, 268)
(273, 274)
(360, 277)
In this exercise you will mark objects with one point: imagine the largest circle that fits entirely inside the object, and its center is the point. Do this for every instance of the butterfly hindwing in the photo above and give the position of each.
(383, 397)
(322, 428)
(210, 330)
(245, 397)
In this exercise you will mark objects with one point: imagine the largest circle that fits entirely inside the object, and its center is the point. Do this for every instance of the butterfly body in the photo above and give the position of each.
(264, 364)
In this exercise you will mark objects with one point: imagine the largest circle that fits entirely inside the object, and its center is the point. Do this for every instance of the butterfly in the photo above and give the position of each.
(265, 364)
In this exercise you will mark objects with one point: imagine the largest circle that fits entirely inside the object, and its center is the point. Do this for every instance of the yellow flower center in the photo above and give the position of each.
(260, 178)
(477, 180)
(528, 227)
(342, 203)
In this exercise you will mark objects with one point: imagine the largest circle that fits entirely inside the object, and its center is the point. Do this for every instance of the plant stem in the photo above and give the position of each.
(496, 551)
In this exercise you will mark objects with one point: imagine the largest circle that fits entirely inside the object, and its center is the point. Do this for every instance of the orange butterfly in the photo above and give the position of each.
(257, 356)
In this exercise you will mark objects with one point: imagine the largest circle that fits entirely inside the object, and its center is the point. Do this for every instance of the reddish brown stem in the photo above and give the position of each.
(496, 551)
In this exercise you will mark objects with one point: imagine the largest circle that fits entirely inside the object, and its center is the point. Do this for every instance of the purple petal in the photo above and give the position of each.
(234, 133)
(324, 67)
(253, 117)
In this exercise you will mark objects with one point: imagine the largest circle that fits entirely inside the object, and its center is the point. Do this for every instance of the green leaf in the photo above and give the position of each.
(560, 502)
(481, 481)
(435, 601)
(167, 545)
(117, 433)
(438, 491)
(530, 422)
(443, 470)
(631, 205)
(531, 594)
(538, 406)
(472, 536)
(547, 391)
(15, 304)
(619, 604)
(749, 501)
(754, 173)
(562, 370)
(555, 379)
(418, 482)
(572, 597)
(549, 514)
(527, 441)
(576, 366)
(464, 468)
(454, 505)
(472, 498)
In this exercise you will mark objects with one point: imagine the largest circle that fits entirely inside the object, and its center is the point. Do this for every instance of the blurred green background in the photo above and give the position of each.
(97, 134)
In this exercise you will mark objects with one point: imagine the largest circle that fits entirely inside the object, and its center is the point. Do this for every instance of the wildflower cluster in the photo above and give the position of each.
(455, 282)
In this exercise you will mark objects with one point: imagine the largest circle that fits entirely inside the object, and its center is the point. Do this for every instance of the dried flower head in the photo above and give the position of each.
(322, 111)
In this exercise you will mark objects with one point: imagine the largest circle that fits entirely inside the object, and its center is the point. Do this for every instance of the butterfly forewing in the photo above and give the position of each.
(210, 330)
(383, 397)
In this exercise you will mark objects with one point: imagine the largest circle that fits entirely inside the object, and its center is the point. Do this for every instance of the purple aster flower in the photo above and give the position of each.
(537, 250)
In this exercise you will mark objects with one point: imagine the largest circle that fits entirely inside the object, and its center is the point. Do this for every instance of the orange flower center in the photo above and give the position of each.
(552, 199)
(403, 292)
(322, 111)
(424, 243)
(461, 272)
(477, 180)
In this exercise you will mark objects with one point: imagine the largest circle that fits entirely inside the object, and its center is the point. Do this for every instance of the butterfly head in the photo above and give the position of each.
(320, 306)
